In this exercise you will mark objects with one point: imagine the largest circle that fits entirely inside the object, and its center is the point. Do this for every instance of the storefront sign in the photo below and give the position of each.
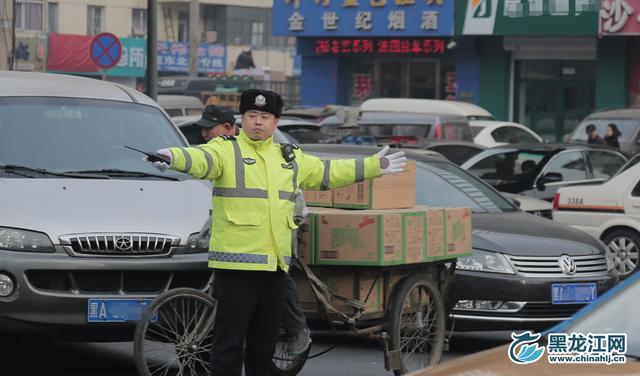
(31, 54)
(450, 86)
(362, 85)
(619, 17)
(363, 17)
(133, 59)
(527, 17)
(174, 57)
(379, 46)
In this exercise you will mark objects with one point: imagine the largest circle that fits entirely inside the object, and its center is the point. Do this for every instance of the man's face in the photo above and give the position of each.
(219, 130)
(259, 125)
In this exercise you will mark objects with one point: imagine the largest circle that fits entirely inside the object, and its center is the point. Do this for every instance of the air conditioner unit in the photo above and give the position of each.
(211, 36)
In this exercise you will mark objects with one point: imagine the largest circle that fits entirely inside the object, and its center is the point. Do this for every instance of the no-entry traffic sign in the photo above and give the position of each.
(106, 50)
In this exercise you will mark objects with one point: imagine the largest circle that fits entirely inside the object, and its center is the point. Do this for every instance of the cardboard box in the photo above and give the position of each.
(360, 285)
(458, 231)
(363, 237)
(306, 296)
(393, 191)
(319, 198)
(414, 242)
(306, 249)
(436, 244)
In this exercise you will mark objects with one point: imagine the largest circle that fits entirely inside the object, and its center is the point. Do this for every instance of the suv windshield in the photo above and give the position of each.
(627, 127)
(441, 184)
(71, 134)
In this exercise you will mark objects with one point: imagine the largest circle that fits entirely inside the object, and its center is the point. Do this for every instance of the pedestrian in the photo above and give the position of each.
(611, 136)
(592, 136)
(255, 182)
(217, 121)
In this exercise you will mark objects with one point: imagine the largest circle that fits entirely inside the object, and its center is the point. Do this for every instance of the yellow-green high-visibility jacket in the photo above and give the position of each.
(254, 195)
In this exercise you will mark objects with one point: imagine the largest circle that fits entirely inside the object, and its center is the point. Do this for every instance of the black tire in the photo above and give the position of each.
(285, 364)
(417, 298)
(623, 247)
(175, 334)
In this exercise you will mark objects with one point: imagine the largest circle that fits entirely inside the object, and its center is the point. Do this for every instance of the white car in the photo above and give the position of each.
(491, 133)
(610, 212)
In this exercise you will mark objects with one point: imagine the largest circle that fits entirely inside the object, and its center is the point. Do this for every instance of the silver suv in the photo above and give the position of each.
(89, 233)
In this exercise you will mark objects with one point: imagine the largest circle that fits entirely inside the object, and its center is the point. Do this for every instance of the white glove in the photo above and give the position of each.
(392, 163)
(162, 166)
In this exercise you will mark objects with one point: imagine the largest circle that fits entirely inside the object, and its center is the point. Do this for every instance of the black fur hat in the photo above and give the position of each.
(261, 100)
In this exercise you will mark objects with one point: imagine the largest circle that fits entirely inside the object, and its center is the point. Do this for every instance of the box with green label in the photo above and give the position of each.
(458, 232)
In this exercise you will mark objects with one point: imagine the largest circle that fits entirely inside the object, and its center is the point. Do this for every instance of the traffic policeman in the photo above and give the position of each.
(256, 181)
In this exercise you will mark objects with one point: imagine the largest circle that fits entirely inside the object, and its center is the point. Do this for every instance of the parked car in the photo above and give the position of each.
(615, 312)
(180, 105)
(200, 87)
(531, 205)
(406, 121)
(469, 110)
(457, 152)
(85, 242)
(491, 133)
(609, 212)
(538, 170)
(304, 131)
(626, 119)
(508, 281)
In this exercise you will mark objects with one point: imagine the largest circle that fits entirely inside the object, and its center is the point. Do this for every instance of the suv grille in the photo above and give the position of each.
(124, 244)
(544, 267)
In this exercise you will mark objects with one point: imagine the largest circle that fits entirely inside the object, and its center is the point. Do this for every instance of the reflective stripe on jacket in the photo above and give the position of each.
(255, 193)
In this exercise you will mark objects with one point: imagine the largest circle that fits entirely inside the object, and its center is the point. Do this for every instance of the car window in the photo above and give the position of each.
(627, 127)
(457, 154)
(636, 190)
(442, 184)
(174, 112)
(476, 130)
(202, 85)
(453, 132)
(70, 134)
(513, 135)
(508, 167)
(630, 163)
(384, 132)
(193, 133)
(571, 165)
(605, 163)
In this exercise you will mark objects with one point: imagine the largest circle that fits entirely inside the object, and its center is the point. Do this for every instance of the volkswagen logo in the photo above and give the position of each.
(567, 265)
(123, 244)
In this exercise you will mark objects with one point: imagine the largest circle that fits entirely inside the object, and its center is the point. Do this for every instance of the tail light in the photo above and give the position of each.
(438, 132)
(404, 140)
(556, 201)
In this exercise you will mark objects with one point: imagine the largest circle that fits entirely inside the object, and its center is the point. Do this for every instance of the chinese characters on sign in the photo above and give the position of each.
(362, 85)
(592, 348)
(518, 9)
(383, 46)
(174, 57)
(617, 17)
(363, 17)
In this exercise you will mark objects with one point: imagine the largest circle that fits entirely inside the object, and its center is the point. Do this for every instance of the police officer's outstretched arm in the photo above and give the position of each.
(317, 174)
(201, 162)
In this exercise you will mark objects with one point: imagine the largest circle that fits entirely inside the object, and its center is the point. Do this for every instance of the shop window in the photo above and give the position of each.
(95, 20)
(139, 22)
(257, 34)
(52, 17)
(29, 15)
(183, 26)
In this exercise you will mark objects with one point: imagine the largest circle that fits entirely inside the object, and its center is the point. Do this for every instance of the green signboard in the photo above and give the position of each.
(133, 59)
(527, 17)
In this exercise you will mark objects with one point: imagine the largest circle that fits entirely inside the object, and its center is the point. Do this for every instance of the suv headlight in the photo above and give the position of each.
(483, 261)
(196, 243)
(15, 239)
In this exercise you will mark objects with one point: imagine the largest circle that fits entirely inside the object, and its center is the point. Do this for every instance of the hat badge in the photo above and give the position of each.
(260, 100)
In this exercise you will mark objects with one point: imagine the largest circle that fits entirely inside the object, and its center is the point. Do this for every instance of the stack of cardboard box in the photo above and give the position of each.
(387, 230)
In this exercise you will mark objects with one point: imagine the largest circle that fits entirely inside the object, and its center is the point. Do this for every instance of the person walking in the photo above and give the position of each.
(612, 135)
(255, 182)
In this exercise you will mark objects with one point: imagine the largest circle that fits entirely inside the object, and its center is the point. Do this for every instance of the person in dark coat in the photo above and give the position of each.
(611, 136)
(592, 136)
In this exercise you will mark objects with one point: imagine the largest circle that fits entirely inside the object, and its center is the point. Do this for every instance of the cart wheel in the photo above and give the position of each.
(416, 320)
(174, 335)
(285, 364)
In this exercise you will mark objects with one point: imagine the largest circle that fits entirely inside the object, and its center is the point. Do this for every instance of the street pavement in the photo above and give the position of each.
(352, 358)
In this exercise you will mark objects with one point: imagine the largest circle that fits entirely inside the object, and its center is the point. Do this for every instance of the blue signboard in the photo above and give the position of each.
(174, 57)
(381, 18)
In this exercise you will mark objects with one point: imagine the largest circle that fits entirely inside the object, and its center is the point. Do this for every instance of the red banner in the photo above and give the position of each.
(70, 53)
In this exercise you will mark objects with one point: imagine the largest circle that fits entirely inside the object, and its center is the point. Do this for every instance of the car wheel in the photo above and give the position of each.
(624, 250)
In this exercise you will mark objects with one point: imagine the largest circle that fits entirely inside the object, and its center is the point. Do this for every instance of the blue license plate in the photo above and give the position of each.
(117, 310)
(573, 293)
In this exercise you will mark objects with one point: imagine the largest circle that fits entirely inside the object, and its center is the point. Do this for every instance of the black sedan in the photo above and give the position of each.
(525, 271)
(538, 170)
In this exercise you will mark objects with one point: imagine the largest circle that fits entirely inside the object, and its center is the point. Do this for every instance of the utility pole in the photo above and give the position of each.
(194, 36)
(12, 57)
(152, 49)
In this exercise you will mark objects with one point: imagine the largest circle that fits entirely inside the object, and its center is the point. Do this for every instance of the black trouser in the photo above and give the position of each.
(293, 318)
(248, 316)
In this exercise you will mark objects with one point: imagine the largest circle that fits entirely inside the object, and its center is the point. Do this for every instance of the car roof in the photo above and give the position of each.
(427, 106)
(620, 113)
(289, 121)
(367, 118)
(492, 123)
(32, 84)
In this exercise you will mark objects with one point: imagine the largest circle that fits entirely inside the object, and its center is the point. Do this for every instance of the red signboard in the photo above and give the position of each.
(70, 53)
(380, 46)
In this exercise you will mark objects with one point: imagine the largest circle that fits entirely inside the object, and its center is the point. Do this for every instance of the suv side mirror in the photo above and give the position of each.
(549, 177)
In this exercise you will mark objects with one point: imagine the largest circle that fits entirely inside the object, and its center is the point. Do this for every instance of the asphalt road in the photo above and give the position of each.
(353, 358)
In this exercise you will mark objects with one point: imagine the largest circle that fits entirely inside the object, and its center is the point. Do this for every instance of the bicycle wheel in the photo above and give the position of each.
(416, 320)
(174, 335)
(285, 364)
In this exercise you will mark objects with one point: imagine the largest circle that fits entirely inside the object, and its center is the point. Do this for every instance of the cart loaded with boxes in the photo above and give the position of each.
(370, 263)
